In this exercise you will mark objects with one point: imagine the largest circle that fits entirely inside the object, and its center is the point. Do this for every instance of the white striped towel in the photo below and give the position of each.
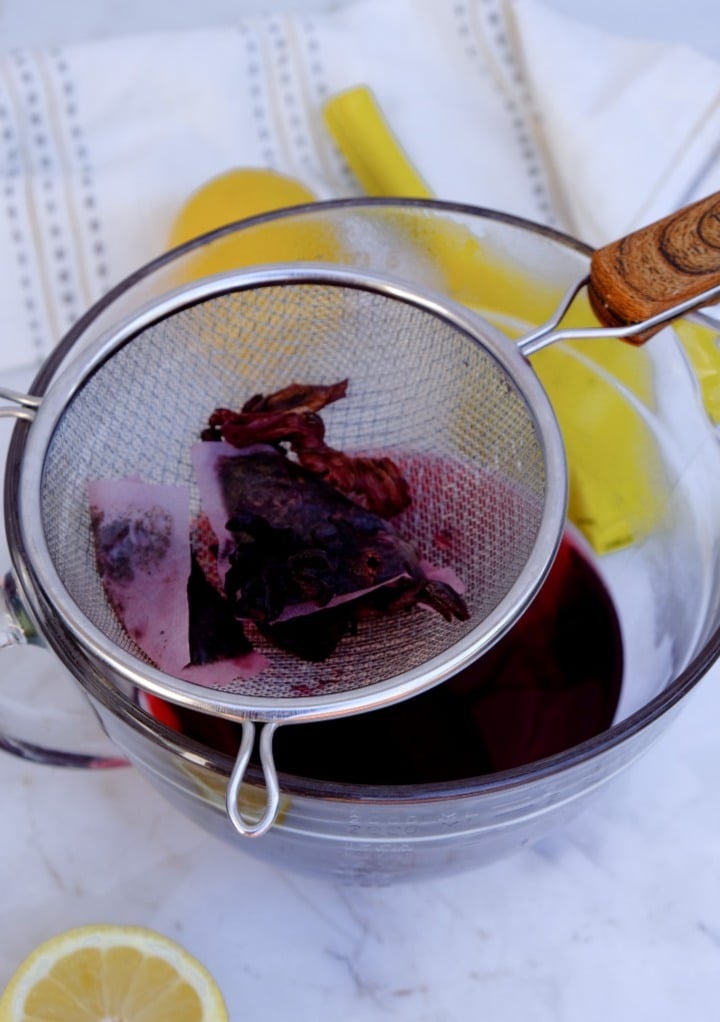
(502, 104)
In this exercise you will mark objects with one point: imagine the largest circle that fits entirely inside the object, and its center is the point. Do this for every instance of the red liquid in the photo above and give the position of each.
(552, 682)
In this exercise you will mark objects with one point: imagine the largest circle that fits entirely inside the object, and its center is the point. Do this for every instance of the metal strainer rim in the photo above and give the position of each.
(68, 617)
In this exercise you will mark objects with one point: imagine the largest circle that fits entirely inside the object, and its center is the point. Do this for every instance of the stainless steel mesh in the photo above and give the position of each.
(420, 389)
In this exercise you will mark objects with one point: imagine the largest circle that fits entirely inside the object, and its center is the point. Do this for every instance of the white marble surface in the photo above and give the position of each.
(616, 917)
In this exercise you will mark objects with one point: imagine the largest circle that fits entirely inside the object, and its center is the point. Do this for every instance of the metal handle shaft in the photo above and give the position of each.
(17, 629)
(24, 405)
(550, 331)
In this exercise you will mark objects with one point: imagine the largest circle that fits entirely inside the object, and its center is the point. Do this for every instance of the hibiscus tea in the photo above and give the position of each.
(553, 681)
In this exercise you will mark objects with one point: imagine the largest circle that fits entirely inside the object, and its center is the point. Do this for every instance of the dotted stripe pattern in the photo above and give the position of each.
(515, 94)
(337, 167)
(83, 168)
(19, 234)
(49, 200)
(50, 197)
(257, 90)
(287, 87)
(42, 167)
(290, 123)
(294, 69)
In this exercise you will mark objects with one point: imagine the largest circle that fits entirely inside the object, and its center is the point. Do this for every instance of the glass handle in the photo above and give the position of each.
(17, 630)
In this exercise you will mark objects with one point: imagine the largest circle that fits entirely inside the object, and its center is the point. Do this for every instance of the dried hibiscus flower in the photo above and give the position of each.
(290, 545)
(290, 416)
(293, 537)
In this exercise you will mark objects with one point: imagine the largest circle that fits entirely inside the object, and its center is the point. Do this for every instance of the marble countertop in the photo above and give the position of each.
(617, 916)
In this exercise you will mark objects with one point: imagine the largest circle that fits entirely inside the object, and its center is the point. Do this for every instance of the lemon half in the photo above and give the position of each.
(108, 973)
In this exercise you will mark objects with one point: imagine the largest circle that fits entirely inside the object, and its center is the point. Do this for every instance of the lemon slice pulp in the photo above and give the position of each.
(111, 974)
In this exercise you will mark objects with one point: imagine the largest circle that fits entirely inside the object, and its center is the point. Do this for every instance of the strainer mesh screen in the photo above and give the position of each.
(420, 390)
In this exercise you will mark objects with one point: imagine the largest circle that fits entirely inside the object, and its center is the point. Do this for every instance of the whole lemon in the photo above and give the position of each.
(236, 195)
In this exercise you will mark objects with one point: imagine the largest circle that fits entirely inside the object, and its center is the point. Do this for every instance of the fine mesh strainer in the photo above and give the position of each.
(429, 383)
(151, 395)
(470, 416)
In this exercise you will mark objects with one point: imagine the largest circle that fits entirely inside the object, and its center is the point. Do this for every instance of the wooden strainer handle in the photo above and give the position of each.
(659, 266)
